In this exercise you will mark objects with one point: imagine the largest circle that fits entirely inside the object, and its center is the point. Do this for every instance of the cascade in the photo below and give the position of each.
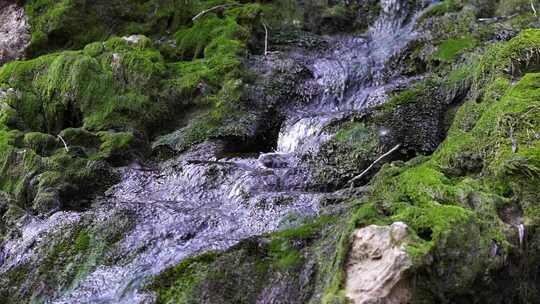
(200, 202)
(521, 233)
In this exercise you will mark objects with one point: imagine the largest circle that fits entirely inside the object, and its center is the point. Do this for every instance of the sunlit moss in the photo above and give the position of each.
(491, 153)
(450, 48)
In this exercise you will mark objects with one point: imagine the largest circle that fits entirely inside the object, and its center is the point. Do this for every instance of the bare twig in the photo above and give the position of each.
(213, 9)
(533, 8)
(64, 142)
(265, 38)
(374, 163)
(497, 18)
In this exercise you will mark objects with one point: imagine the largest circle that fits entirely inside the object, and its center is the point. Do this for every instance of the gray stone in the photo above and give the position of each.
(376, 266)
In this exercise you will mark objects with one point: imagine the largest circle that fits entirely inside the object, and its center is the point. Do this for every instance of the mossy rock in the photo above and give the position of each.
(43, 144)
(72, 252)
(284, 264)
(106, 102)
(75, 23)
(464, 239)
(117, 148)
(79, 137)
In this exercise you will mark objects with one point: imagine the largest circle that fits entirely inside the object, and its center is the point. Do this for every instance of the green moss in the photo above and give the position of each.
(506, 60)
(82, 242)
(75, 23)
(282, 251)
(214, 78)
(368, 214)
(43, 144)
(306, 231)
(16, 166)
(356, 132)
(68, 89)
(449, 49)
(443, 8)
(284, 256)
(490, 155)
(226, 114)
(208, 36)
(416, 93)
(82, 98)
(176, 284)
(80, 137)
(114, 144)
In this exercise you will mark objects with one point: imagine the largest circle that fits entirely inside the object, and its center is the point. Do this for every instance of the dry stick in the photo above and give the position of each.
(64, 142)
(265, 38)
(212, 9)
(533, 8)
(374, 163)
(498, 18)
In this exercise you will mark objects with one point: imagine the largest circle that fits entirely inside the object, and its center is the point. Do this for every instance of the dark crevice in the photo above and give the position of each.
(425, 233)
(264, 139)
(72, 118)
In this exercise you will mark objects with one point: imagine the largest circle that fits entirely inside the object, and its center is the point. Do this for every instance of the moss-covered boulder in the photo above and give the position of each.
(458, 200)
(291, 266)
(76, 111)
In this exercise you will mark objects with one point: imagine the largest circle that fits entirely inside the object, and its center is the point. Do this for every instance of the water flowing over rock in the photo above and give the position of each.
(14, 31)
(352, 75)
(188, 206)
(376, 266)
(204, 201)
(521, 234)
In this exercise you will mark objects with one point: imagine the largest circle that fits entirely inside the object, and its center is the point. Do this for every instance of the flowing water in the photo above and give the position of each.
(200, 201)
(521, 234)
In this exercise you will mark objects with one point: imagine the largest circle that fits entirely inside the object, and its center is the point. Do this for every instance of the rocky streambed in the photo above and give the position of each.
(201, 167)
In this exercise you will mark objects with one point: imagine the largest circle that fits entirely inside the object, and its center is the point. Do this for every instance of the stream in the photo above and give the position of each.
(200, 201)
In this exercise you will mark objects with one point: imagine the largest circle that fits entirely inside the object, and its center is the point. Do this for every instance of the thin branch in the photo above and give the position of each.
(64, 142)
(265, 38)
(374, 163)
(213, 9)
(497, 18)
(533, 8)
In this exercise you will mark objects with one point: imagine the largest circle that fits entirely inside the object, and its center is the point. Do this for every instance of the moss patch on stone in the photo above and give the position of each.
(106, 102)
(453, 199)
(450, 48)
(243, 273)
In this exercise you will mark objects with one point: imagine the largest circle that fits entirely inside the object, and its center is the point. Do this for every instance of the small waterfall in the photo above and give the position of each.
(353, 74)
(303, 136)
(521, 234)
(393, 15)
